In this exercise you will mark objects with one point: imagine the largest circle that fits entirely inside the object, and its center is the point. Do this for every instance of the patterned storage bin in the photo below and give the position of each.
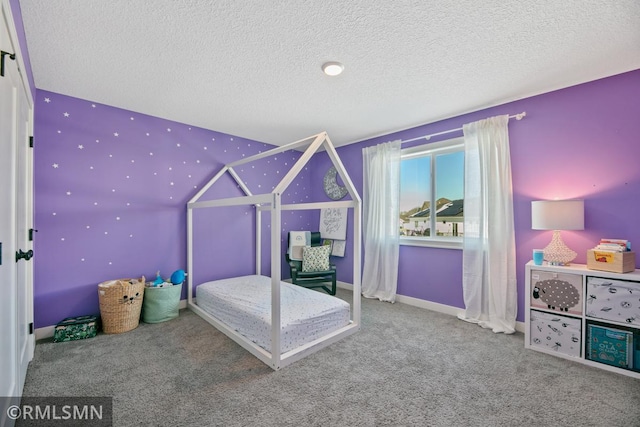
(76, 328)
(557, 333)
(161, 303)
(616, 300)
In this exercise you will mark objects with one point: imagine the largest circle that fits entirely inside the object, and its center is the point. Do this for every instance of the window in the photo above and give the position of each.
(432, 175)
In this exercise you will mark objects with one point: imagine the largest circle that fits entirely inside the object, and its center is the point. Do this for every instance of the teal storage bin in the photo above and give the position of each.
(161, 304)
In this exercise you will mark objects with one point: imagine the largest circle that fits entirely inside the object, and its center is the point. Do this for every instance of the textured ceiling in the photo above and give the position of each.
(252, 68)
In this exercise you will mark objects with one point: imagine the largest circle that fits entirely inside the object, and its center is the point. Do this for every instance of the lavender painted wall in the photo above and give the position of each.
(579, 142)
(111, 188)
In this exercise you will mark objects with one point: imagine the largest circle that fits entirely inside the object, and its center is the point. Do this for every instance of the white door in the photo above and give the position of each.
(24, 225)
(16, 217)
(8, 269)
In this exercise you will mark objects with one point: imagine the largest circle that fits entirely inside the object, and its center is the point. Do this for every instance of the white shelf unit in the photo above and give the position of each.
(582, 314)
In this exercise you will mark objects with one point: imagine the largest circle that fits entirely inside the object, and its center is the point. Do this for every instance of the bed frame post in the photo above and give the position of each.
(258, 241)
(357, 263)
(276, 226)
(189, 256)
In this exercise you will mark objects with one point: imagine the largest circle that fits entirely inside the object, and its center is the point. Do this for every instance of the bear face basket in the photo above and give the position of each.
(120, 304)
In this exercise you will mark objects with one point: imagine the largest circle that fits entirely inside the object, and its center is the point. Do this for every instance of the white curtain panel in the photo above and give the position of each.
(489, 254)
(381, 212)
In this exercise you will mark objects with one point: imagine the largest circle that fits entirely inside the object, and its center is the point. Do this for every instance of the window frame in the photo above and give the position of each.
(447, 146)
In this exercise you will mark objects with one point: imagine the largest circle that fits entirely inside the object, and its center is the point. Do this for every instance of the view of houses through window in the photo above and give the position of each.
(432, 176)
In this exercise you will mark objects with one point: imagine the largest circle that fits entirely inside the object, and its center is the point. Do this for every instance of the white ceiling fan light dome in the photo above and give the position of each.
(332, 68)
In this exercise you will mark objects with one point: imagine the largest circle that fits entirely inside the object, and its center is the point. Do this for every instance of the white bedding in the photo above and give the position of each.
(244, 304)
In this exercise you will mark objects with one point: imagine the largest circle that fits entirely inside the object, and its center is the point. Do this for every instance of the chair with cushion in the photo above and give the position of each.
(313, 270)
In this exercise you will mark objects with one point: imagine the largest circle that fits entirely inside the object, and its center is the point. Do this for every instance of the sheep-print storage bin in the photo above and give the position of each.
(560, 292)
(120, 304)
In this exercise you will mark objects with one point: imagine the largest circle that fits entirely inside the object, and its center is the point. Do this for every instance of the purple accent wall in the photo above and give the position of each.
(578, 142)
(111, 188)
(112, 209)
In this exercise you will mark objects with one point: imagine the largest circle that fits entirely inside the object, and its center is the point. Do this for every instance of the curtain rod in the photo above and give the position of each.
(428, 137)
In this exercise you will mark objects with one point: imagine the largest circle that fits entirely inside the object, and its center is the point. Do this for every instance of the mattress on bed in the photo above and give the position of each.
(244, 304)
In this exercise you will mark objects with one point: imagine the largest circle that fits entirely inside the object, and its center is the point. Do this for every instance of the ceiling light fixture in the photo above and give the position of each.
(332, 68)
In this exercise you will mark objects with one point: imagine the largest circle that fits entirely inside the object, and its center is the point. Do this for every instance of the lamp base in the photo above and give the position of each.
(557, 253)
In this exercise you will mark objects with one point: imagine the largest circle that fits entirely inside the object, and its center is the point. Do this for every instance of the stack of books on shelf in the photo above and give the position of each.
(613, 245)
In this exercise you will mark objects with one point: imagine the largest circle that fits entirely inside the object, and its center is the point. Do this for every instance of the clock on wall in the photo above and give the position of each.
(331, 187)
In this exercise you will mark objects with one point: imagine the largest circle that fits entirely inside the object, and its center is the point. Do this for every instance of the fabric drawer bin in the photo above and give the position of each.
(616, 300)
(76, 328)
(557, 333)
(161, 304)
(559, 292)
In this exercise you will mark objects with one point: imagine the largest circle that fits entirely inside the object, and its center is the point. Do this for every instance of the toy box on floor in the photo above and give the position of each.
(76, 328)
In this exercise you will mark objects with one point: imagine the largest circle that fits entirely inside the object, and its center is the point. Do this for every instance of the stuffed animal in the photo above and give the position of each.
(159, 280)
(178, 277)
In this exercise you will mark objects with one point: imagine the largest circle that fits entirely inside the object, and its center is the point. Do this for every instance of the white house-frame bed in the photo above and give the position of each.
(272, 202)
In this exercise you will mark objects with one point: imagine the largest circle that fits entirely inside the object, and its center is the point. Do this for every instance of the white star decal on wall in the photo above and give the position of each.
(47, 100)
(55, 166)
(115, 134)
(66, 114)
(81, 146)
(168, 129)
(68, 193)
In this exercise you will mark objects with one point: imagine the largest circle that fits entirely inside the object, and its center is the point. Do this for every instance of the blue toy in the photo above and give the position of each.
(178, 277)
(159, 280)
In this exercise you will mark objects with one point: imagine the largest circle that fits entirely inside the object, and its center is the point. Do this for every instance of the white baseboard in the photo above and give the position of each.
(429, 305)
(47, 331)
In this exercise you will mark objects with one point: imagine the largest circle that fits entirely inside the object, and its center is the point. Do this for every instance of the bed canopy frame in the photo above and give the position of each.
(272, 202)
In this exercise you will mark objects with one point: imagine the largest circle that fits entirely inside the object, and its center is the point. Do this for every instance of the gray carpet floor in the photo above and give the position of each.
(406, 367)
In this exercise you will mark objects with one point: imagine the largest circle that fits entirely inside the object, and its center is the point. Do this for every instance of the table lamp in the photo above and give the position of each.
(557, 215)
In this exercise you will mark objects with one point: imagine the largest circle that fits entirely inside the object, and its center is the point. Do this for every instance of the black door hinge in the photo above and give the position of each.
(12, 56)
(30, 142)
(31, 231)
(31, 328)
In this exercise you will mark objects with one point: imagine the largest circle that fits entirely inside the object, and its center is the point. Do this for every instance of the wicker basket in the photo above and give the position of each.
(120, 304)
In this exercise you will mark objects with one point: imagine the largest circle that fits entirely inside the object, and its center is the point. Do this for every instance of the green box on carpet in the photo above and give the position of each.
(76, 328)
(161, 303)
